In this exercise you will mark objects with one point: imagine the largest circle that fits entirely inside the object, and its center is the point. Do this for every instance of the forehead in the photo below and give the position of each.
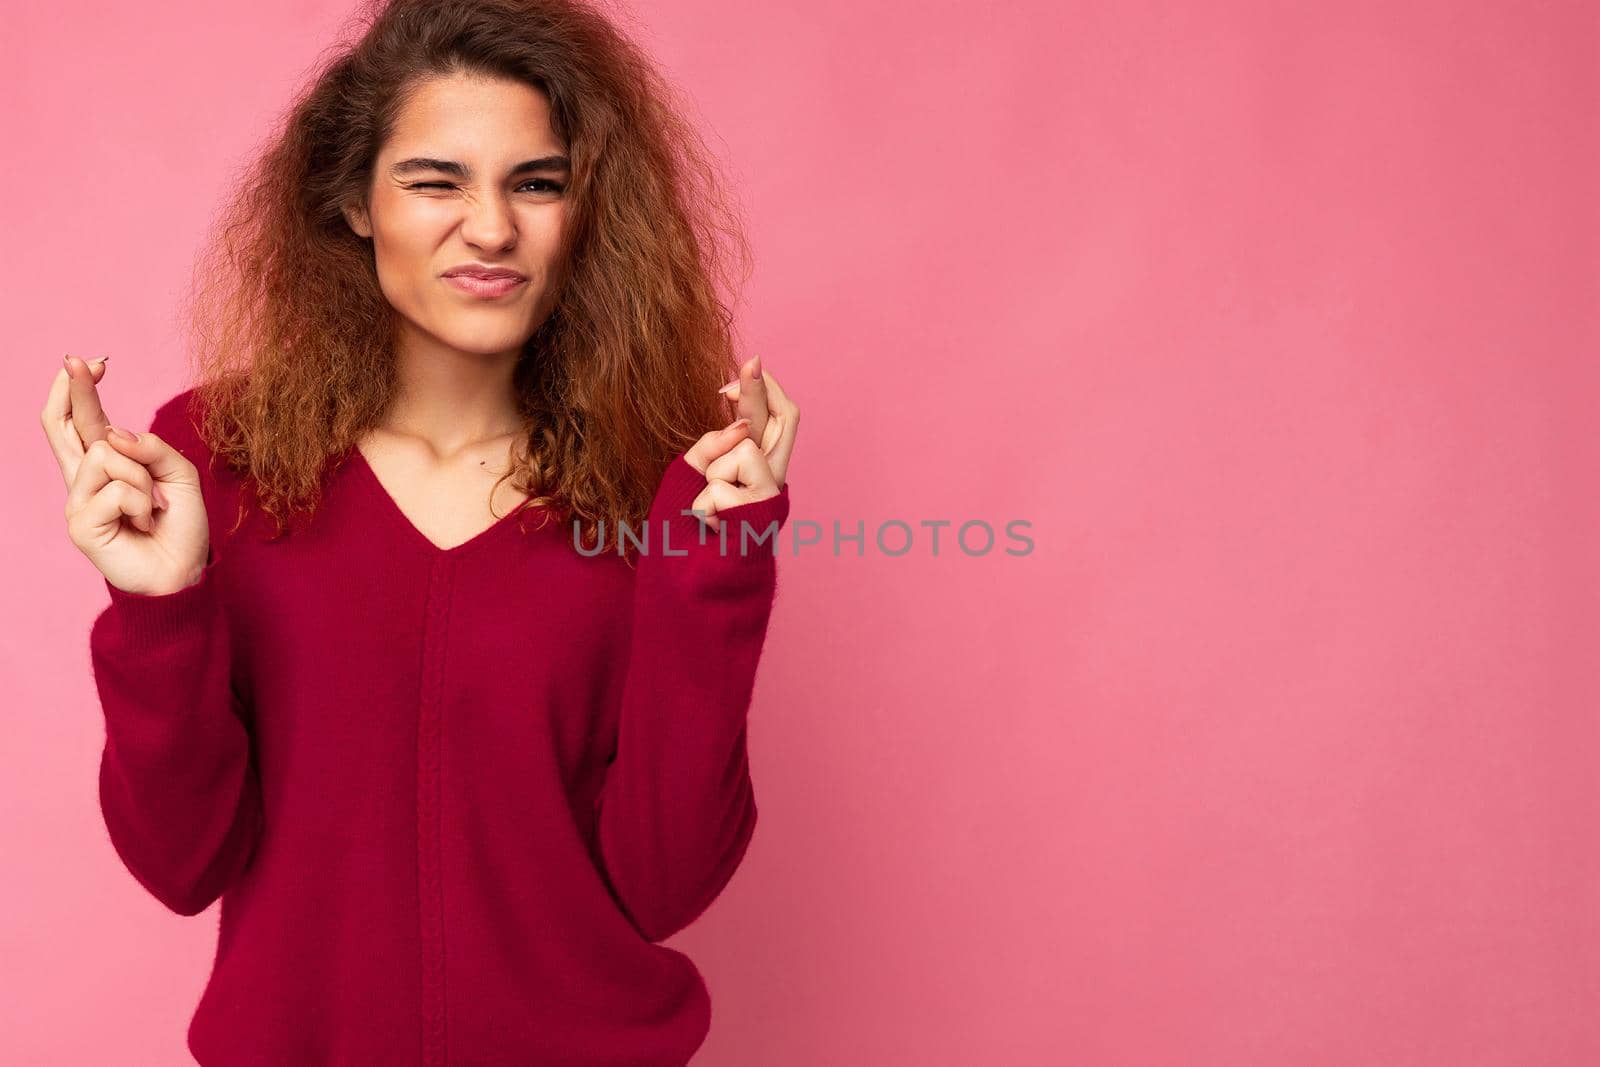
(471, 116)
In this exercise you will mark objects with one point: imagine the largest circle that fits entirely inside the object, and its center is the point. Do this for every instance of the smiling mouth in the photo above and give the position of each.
(485, 288)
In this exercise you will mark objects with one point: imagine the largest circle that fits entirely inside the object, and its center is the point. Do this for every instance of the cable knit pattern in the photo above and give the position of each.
(451, 800)
(430, 887)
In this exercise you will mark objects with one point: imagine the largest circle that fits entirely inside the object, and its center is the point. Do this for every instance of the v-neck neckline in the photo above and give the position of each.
(388, 504)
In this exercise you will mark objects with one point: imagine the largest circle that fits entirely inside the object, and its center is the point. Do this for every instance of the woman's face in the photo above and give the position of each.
(471, 177)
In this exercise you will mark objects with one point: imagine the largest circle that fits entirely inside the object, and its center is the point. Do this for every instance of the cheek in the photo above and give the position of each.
(540, 227)
(403, 252)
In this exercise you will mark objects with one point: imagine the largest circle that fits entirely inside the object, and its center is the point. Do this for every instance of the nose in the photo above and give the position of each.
(489, 224)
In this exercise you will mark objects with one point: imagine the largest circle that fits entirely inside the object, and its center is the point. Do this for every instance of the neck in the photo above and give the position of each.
(451, 398)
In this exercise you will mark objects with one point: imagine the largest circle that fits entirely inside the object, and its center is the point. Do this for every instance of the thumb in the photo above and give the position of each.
(164, 462)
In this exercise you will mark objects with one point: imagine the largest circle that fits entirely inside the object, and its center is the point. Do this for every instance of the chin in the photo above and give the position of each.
(479, 345)
(484, 337)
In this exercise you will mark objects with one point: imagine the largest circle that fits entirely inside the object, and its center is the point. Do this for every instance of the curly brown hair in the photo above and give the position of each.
(292, 338)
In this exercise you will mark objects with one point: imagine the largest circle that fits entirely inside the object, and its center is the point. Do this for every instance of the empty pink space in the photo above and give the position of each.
(1278, 325)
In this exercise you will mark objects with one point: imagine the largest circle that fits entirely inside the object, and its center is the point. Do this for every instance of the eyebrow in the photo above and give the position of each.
(464, 172)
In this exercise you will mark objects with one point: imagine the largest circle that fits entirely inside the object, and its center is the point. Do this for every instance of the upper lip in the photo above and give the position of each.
(479, 270)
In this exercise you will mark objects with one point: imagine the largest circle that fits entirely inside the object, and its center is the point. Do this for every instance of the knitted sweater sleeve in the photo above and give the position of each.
(178, 787)
(677, 810)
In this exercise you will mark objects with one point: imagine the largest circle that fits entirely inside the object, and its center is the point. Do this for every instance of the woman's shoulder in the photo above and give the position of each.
(178, 422)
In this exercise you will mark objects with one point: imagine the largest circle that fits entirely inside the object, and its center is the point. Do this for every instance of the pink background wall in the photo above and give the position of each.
(1279, 323)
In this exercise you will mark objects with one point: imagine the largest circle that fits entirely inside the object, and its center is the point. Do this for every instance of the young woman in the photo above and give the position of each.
(418, 656)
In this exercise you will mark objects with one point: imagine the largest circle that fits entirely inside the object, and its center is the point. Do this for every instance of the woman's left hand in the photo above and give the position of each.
(773, 417)
(749, 462)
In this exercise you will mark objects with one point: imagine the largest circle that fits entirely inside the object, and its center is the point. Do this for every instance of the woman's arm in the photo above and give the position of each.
(677, 809)
(178, 785)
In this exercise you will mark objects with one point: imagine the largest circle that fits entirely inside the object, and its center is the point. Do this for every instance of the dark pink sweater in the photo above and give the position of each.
(451, 800)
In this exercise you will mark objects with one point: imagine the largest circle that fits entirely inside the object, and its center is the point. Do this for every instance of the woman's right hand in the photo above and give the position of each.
(134, 506)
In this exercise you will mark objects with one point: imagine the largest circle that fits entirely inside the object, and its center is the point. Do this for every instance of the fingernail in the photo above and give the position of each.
(100, 360)
(122, 435)
(735, 424)
(730, 385)
(158, 496)
(755, 366)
